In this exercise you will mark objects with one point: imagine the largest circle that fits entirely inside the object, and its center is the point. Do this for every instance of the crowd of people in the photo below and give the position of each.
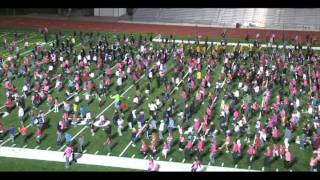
(259, 102)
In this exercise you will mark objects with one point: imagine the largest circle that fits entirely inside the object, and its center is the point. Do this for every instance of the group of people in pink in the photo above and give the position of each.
(254, 102)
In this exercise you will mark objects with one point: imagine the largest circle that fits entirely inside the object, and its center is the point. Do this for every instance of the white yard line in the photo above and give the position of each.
(125, 149)
(31, 123)
(100, 114)
(133, 156)
(96, 152)
(48, 148)
(37, 147)
(25, 146)
(102, 160)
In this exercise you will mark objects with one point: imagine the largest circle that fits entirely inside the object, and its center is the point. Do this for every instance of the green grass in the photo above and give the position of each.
(26, 165)
(95, 143)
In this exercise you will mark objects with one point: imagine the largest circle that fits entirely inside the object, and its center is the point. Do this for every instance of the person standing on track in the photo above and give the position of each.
(68, 155)
(195, 165)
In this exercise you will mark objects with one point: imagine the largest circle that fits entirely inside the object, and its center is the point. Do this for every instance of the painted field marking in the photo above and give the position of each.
(158, 158)
(25, 146)
(236, 166)
(108, 154)
(262, 169)
(277, 170)
(96, 152)
(48, 148)
(102, 160)
(84, 151)
(125, 149)
(183, 160)
(13, 145)
(170, 159)
(222, 164)
(37, 147)
(103, 111)
(41, 46)
(145, 157)
(133, 156)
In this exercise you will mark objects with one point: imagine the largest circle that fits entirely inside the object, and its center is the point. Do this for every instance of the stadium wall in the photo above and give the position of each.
(111, 12)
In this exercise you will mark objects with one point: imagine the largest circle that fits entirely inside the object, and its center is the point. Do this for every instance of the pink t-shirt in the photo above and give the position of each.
(288, 156)
(68, 152)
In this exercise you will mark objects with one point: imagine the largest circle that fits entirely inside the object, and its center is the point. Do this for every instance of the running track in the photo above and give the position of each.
(149, 28)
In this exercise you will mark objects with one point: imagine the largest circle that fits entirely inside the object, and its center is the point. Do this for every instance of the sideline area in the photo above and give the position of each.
(101, 160)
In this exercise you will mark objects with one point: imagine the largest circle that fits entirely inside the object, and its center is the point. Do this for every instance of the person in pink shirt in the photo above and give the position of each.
(288, 158)
(152, 166)
(275, 134)
(281, 151)
(195, 165)
(226, 143)
(68, 155)
(196, 125)
(165, 149)
(236, 151)
(144, 148)
(188, 150)
(213, 153)
(251, 154)
(275, 151)
(200, 147)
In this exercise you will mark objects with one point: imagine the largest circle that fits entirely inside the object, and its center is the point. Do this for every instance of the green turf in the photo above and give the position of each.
(26, 165)
(95, 143)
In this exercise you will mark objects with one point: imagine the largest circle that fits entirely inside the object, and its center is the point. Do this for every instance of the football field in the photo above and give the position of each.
(122, 147)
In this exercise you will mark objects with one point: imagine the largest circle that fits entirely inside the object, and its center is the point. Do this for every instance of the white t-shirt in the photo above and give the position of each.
(88, 116)
(135, 100)
(21, 112)
(119, 81)
(150, 74)
(120, 123)
(161, 127)
(25, 88)
(152, 107)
